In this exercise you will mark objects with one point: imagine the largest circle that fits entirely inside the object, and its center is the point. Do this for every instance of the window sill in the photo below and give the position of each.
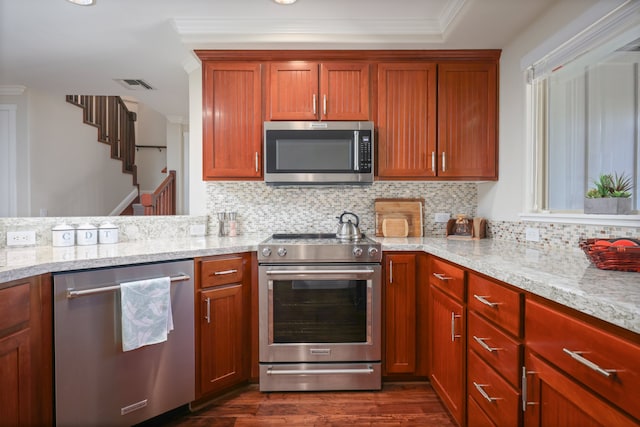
(580, 218)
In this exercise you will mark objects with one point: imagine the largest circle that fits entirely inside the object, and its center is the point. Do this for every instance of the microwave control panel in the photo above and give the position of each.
(365, 158)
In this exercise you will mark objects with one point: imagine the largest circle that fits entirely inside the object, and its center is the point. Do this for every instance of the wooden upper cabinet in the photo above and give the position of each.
(467, 120)
(232, 120)
(406, 120)
(300, 90)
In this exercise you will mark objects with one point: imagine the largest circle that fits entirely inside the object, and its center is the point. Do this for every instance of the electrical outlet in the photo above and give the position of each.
(197, 230)
(442, 216)
(532, 235)
(21, 238)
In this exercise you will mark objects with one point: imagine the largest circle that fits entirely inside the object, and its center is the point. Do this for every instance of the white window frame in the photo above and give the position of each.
(583, 34)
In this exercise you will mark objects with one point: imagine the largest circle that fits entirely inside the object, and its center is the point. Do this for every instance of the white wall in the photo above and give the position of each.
(197, 187)
(506, 198)
(176, 161)
(151, 129)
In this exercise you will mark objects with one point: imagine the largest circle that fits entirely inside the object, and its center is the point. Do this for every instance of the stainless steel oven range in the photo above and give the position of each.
(319, 308)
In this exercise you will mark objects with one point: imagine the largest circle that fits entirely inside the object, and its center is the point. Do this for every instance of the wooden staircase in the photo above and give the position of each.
(116, 127)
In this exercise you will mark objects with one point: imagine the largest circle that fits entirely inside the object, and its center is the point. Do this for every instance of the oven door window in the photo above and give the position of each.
(320, 311)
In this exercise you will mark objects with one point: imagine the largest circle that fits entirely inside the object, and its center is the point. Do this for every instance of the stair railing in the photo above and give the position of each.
(163, 200)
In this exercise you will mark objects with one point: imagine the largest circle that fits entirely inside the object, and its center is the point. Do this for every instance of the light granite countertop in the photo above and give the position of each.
(563, 276)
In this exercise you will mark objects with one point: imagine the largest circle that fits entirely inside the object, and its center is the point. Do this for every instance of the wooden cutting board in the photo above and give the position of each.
(409, 209)
(395, 227)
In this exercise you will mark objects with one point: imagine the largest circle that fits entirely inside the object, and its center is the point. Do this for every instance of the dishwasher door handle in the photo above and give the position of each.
(72, 293)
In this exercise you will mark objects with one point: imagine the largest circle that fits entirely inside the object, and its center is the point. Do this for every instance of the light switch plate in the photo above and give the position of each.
(21, 238)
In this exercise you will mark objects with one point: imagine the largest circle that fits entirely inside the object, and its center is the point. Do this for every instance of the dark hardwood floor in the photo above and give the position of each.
(398, 404)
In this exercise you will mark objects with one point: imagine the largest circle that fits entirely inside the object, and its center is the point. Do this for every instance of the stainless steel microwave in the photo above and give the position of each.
(318, 153)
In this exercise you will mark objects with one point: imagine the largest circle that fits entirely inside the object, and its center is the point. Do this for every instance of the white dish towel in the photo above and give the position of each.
(146, 312)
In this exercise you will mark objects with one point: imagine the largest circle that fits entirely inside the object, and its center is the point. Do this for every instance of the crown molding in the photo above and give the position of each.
(204, 30)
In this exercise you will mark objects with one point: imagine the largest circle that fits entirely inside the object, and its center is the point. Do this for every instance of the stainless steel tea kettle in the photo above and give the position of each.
(348, 230)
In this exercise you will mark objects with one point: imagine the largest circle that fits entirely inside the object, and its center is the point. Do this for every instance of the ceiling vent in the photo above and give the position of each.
(135, 84)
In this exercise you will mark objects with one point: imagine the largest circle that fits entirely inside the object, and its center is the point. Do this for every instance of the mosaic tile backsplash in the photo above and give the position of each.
(555, 235)
(266, 209)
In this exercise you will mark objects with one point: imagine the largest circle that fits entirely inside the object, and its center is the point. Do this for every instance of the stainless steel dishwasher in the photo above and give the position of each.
(96, 383)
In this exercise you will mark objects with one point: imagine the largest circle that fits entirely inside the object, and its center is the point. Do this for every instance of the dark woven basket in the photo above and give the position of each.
(621, 258)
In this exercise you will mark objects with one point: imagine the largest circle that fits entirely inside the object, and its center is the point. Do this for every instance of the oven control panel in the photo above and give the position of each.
(274, 253)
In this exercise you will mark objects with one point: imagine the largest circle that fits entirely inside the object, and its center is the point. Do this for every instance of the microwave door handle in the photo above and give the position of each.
(356, 151)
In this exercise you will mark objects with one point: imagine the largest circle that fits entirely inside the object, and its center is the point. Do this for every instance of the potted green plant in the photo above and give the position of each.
(611, 194)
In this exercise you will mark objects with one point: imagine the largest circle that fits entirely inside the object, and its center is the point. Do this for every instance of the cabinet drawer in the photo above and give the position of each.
(605, 363)
(448, 278)
(496, 302)
(493, 394)
(476, 416)
(14, 307)
(495, 347)
(221, 271)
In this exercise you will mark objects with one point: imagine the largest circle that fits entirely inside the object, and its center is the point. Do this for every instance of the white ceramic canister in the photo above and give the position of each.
(87, 234)
(108, 233)
(63, 235)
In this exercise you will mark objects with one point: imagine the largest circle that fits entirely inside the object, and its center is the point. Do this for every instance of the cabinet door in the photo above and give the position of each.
(26, 359)
(467, 120)
(400, 314)
(344, 91)
(447, 356)
(406, 120)
(16, 378)
(293, 91)
(232, 120)
(221, 335)
(553, 399)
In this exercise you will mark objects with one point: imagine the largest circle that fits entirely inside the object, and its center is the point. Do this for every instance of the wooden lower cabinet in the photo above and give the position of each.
(26, 360)
(221, 338)
(222, 323)
(404, 315)
(553, 399)
(448, 361)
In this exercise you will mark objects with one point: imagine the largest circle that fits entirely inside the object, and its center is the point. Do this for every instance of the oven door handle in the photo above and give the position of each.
(272, 371)
(299, 272)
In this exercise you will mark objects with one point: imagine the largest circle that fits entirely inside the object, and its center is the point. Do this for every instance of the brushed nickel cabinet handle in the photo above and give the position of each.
(525, 382)
(390, 272)
(480, 388)
(324, 105)
(485, 301)
(257, 162)
(484, 344)
(315, 109)
(577, 355)
(224, 272)
(433, 162)
(454, 316)
(208, 315)
(444, 161)
(441, 276)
